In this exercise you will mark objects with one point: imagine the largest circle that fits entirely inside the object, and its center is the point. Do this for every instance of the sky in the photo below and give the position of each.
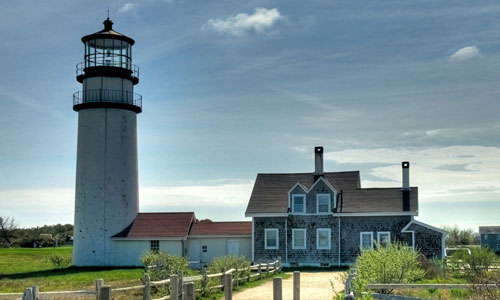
(235, 88)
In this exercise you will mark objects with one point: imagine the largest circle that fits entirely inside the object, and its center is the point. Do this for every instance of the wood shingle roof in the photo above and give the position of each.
(269, 194)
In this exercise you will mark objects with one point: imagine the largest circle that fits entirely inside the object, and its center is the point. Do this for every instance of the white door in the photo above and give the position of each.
(233, 247)
(194, 251)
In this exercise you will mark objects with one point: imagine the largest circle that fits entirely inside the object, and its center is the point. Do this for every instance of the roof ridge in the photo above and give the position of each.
(309, 173)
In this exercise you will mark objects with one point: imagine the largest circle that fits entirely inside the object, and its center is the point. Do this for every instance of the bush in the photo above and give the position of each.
(161, 265)
(239, 263)
(432, 267)
(477, 263)
(60, 261)
(394, 263)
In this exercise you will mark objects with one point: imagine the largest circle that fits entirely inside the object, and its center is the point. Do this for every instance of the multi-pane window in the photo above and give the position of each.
(323, 203)
(299, 238)
(323, 240)
(299, 203)
(498, 237)
(271, 238)
(383, 238)
(498, 247)
(155, 246)
(366, 240)
(203, 248)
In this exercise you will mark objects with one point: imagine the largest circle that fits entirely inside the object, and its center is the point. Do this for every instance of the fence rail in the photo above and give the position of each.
(349, 294)
(180, 286)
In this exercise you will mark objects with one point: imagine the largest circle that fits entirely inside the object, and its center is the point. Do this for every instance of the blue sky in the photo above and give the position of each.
(234, 88)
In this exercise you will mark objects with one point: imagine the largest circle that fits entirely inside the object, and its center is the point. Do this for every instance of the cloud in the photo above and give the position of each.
(260, 21)
(126, 7)
(455, 173)
(223, 199)
(465, 53)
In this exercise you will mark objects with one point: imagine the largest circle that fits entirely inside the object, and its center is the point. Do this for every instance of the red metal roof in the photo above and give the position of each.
(221, 228)
(168, 225)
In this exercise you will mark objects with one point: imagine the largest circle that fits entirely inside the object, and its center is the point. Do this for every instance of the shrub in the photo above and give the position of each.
(161, 265)
(432, 267)
(60, 261)
(476, 263)
(394, 263)
(239, 263)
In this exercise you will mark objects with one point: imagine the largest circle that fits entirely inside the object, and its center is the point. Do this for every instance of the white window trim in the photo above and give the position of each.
(304, 205)
(293, 238)
(329, 204)
(329, 238)
(361, 239)
(277, 238)
(383, 232)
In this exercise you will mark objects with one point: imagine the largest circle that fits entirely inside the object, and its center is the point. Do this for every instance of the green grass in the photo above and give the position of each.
(21, 268)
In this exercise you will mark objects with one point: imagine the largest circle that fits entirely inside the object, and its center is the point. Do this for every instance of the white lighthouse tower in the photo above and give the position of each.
(107, 191)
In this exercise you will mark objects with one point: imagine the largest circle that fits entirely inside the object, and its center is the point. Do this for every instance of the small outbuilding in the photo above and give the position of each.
(181, 234)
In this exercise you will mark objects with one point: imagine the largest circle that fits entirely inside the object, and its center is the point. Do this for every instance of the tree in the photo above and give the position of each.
(457, 236)
(394, 263)
(7, 227)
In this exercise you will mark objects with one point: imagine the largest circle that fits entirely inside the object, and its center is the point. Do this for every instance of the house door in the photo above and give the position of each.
(194, 251)
(233, 247)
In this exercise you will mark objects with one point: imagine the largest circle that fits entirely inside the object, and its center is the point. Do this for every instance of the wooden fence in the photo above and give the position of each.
(349, 294)
(181, 288)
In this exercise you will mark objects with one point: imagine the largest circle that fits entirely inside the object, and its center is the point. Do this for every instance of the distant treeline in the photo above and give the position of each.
(44, 236)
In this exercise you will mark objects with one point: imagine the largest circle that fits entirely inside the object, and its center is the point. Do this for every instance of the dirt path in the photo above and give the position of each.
(313, 286)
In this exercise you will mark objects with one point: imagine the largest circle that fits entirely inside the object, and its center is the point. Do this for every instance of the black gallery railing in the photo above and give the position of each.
(108, 96)
(80, 67)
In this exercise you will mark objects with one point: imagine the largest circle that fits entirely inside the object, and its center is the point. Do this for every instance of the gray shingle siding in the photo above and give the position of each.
(319, 188)
(350, 229)
(427, 241)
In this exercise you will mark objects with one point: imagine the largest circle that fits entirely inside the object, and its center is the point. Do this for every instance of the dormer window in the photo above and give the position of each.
(299, 203)
(323, 203)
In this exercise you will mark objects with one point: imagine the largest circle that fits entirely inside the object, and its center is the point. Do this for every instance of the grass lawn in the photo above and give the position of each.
(23, 267)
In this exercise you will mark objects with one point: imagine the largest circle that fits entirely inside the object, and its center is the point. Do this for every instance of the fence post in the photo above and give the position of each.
(204, 281)
(277, 290)
(174, 287)
(28, 294)
(296, 285)
(180, 286)
(237, 277)
(189, 291)
(279, 263)
(223, 279)
(105, 292)
(260, 271)
(98, 284)
(267, 270)
(36, 292)
(228, 291)
(146, 295)
(249, 277)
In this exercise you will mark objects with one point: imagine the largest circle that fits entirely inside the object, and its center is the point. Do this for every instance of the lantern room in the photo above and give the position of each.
(107, 73)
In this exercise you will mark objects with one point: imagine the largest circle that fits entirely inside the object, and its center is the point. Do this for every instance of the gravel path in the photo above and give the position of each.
(313, 286)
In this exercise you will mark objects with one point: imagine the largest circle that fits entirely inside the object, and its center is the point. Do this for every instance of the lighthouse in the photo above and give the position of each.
(107, 187)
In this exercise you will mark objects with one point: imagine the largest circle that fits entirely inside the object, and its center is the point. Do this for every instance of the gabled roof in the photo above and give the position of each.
(269, 194)
(159, 225)
(221, 228)
(489, 229)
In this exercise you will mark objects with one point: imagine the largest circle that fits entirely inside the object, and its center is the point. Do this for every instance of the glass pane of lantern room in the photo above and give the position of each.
(108, 47)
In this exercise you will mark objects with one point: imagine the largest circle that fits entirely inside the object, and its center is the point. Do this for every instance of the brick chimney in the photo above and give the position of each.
(406, 185)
